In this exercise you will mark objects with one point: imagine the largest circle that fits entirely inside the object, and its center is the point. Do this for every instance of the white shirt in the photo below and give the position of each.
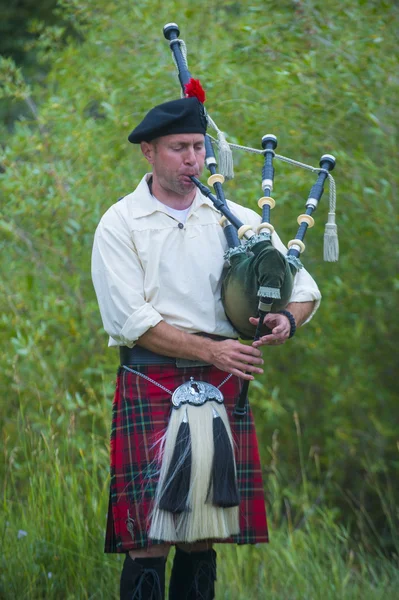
(179, 214)
(148, 267)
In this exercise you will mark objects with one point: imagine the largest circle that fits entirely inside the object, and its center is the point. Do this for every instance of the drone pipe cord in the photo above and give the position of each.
(296, 246)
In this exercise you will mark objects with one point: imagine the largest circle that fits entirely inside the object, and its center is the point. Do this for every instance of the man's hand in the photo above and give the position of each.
(237, 358)
(227, 355)
(280, 324)
(280, 330)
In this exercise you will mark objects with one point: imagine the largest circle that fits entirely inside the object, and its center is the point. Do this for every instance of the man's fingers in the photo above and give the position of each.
(247, 367)
(278, 329)
(239, 359)
(251, 353)
(243, 348)
(271, 340)
(264, 342)
(252, 357)
(242, 354)
(243, 375)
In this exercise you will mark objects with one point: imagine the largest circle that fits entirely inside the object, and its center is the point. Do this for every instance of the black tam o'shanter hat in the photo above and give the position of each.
(186, 115)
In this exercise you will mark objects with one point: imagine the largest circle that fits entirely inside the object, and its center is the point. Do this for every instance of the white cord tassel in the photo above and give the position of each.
(225, 155)
(331, 247)
(226, 165)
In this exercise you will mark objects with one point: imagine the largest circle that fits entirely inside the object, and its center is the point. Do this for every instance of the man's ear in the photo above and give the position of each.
(147, 149)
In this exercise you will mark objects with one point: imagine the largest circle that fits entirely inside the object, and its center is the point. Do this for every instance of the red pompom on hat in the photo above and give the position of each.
(194, 89)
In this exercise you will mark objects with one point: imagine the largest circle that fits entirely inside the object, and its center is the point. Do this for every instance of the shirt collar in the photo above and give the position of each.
(144, 203)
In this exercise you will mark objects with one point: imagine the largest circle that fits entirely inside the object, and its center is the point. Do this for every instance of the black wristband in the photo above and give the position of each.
(291, 319)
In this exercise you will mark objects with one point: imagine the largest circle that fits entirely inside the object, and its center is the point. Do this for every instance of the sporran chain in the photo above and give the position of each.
(162, 387)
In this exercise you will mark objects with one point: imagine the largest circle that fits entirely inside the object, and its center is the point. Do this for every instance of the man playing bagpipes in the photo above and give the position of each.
(184, 471)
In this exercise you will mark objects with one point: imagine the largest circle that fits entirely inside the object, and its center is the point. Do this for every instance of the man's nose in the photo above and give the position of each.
(189, 156)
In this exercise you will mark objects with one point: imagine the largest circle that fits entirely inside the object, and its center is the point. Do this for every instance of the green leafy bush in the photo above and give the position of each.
(323, 78)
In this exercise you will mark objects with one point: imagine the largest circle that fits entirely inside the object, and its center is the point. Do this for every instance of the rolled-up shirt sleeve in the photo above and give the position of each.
(118, 280)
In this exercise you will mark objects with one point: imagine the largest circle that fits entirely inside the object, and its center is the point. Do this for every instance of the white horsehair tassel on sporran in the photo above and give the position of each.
(197, 494)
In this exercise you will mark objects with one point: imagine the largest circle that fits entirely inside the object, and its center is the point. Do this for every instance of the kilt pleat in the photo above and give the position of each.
(140, 416)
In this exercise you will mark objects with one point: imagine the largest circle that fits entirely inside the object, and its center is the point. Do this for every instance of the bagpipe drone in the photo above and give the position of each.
(258, 280)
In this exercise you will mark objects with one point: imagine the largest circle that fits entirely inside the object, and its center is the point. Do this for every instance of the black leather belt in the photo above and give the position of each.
(141, 356)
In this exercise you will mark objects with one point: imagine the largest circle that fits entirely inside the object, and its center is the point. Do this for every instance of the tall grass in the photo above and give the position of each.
(53, 514)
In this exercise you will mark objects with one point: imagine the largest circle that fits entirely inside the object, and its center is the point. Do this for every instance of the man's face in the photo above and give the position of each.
(174, 158)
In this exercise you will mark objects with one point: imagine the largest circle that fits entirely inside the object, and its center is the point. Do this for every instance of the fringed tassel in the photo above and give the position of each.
(294, 261)
(269, 292)
(225, 155)
(174, 495)
(223, 483)
(331, 248)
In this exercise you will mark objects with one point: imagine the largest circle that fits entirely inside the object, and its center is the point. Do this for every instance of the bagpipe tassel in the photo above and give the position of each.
(223, 487)
(331, 248)
(225, 155)
(191, 516)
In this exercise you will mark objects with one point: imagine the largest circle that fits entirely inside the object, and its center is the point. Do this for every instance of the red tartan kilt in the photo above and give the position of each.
(140, 416)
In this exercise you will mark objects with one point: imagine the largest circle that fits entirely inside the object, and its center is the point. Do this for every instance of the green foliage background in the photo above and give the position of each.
(323, 77)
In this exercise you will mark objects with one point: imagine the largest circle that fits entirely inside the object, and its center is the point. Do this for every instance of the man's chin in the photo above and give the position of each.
(186, 186)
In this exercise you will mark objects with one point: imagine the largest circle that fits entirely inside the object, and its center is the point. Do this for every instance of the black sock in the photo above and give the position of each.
(143, 579)
(193, 575)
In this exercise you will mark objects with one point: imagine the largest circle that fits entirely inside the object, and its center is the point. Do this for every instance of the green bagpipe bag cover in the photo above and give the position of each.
(261, 269)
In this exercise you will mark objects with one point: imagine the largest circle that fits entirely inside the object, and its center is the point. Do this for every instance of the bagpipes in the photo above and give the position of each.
(259, 280)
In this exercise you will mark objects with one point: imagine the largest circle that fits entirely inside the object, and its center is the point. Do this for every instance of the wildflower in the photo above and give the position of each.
(21, 534)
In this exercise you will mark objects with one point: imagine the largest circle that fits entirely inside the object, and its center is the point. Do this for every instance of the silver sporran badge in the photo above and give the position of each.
(196, 393)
